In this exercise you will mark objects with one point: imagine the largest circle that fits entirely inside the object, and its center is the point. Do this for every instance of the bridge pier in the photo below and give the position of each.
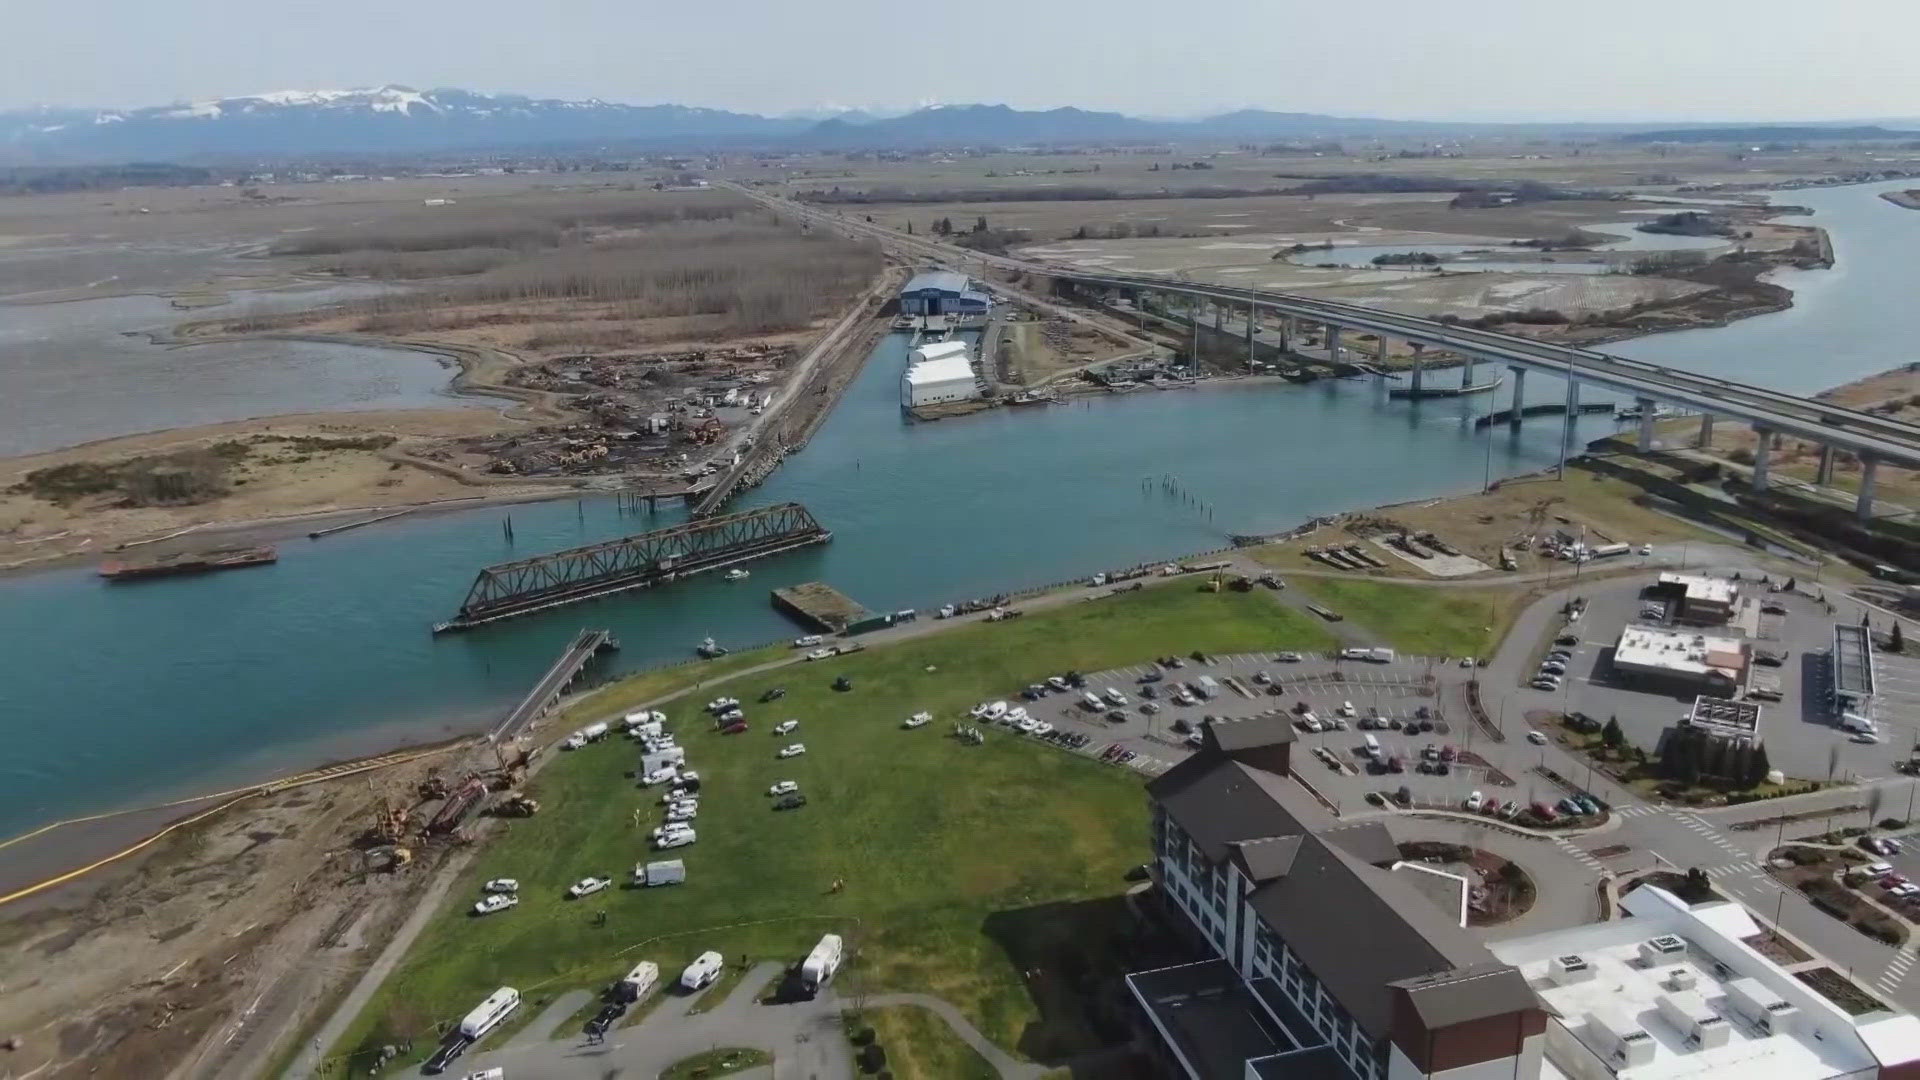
(1250, 325)
(1419, 368)
(1219, 316)
(1646, 425)
(1823, 473)
(1863, 507)
(1572, 418)
(1333, 343)
(1519, 395)
(1380, 355)
(1705, 438)
(1466, 372)
(1762, 457)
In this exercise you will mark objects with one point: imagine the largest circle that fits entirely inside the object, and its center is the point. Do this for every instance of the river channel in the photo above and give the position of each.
(111, 696)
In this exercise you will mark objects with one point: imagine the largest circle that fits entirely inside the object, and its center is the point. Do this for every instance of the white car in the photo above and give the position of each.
(784, 787)
(807, 642)
(722, 704)
(673, 840)
(1288, 658)
(501, 885)
(1865, 737)
(662, 775)
(495, 1073)
(587, 886)
(663, 742)
(677, 814)
(794, 750)
(1016, 716)
(995, 710)
(497, 902)
(785, 726)
(684, 803)
(1028, 725)
(1536, 738)
(1346, 709)
(1474, 800)
(919, 719)
(820, 654)
(1646, 549)
(1042, 728)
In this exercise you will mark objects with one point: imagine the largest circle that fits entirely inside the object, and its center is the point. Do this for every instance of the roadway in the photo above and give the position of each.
(1881, 438)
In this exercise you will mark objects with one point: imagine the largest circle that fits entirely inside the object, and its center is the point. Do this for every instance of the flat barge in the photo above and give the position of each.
(187, 562)
(819, 606)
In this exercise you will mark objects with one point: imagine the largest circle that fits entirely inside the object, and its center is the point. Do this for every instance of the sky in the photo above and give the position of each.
(1440, 59)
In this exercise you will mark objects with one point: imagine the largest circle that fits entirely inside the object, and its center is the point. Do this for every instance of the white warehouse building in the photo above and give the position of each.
(938, 373)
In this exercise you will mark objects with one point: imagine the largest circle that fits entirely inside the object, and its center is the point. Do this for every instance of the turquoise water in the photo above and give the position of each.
(109, 696)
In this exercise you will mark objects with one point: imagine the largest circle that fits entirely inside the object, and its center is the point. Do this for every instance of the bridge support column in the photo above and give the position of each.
(1419, 368)
(1823, 473)
(1572, 419)
(1250, 325)
(1380, 356)
(1193, 330)
(1519, 395)
(1863, 507)
(1762, 457)
(1219, 316)
(1706, 431)
(1466, 373)
(1646, 425)
(1333, 344)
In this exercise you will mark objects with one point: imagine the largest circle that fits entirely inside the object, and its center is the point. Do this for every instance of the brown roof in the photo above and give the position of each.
(1218, 800)
(1248, 733)
(1455, 997)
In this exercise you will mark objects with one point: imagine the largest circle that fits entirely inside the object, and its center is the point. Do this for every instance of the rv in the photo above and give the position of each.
(638, 981)
(665, 872)
(701, 973)
(820, 964)
(488, 1014)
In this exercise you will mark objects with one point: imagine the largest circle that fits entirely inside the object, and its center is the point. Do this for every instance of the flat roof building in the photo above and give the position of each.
(942, 292)
(937, 373)
(1675, 992)
(1700, 599)
(1852, 667)
(1681, 660)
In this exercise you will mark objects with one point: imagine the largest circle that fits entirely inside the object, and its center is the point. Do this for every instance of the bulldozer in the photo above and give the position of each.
(517, 805)
(433, 787)
(707, 432)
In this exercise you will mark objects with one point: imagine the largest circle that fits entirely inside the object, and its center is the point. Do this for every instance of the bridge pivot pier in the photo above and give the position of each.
(1762, 457)
(1823, 473)
(1646, 425)
(1705, 439)
(1519, 394)
(1863, 506)
(1573, 419)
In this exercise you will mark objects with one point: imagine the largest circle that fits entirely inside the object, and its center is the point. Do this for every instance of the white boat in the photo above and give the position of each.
(710, 649)
(737, 574)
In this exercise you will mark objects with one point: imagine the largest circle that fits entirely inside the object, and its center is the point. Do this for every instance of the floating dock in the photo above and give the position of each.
(1446, 391)
(1549, 408)
(820, 606)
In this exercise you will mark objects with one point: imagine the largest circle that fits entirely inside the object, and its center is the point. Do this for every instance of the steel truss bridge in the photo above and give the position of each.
(525, 586)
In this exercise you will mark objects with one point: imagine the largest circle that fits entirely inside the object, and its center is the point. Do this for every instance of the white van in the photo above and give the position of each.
(1115, 698)
(1091, 702)
(1856, 723)
(1373, 748)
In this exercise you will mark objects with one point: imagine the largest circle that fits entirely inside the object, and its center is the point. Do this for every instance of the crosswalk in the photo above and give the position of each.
(1696, 824)
(1897, 969)
(1737, 869)
(1637, 810)
(1580, 855)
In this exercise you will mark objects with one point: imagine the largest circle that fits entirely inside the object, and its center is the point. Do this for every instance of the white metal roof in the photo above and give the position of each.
(1681, 651)
(935, 350)
(942, 370)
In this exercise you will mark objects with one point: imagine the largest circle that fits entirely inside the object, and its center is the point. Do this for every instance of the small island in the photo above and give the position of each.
(1909, 198)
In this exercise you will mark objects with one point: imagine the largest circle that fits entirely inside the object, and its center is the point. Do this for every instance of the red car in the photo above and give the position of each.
(1491, 806)
(1545, 812)
(738, 727)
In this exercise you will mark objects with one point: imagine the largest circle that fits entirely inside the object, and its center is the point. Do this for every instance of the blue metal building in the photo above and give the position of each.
(942, 292)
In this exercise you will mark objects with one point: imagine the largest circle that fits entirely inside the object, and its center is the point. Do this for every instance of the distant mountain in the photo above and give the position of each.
(387, 119)
(400, 121)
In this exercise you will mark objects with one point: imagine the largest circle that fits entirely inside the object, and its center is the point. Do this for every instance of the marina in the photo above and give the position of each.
(819, 606)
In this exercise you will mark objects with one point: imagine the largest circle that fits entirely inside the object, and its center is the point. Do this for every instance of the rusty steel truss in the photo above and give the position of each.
(527, 585)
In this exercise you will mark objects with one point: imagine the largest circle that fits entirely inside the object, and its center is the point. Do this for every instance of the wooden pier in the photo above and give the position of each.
(820, 606)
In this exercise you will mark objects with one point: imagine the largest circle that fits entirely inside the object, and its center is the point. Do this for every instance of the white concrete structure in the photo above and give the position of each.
(1675, 992)
(1702, 599)
(1708, 662)
(937, 373)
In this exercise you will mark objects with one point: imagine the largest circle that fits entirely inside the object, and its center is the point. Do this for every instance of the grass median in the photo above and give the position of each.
(949, 868)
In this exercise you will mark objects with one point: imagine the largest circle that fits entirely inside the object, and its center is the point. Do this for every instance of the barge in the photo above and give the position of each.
(187, 562)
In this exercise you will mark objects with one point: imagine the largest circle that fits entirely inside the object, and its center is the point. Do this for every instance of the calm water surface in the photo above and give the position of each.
(111, 695)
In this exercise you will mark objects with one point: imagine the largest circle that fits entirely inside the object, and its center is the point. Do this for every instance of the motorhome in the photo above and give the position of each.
(487, 1015)
(701, 973)
(820, 964)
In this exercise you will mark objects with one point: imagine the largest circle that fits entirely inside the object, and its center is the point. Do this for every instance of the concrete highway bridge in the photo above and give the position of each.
(1772, 413)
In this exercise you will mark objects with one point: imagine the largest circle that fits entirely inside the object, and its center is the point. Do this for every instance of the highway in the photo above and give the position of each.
(1881, 438)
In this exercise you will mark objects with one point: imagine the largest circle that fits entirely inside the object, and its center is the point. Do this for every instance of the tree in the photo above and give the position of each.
(1896, 641)
(1758, 767)
(1611, 736)
(980, 223)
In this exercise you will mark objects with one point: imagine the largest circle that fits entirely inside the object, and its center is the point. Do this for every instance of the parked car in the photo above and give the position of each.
(660, 776)
(820, 654)
(1536, 738)
(1474, 800)
(783, 787)
(501, 885)
(1567, 639)
(587, 886)
(1544, 684)
(1057, 684)
(919, 719)
(773, 694)
(785, 726)
(790, 801)
(1261, 678)
(495, 902)
(1152, 677)
(1288, 657)
(793, 750)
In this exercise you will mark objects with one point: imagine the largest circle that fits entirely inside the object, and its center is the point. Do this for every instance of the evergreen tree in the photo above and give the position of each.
(1611, 736)
(1758, 767)
(1896, 641)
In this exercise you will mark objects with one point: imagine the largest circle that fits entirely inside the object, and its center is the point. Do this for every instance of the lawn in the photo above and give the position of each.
(1421, 620)
(958, 866)
(920, 1046)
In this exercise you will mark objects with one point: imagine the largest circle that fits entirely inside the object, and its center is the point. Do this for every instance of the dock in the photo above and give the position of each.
(1446, 391)
(819, 606)
(1546, 408)
(586, 645)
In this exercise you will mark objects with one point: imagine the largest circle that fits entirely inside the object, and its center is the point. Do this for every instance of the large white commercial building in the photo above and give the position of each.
(1681, 659)
(1676, 992)
(938, 373)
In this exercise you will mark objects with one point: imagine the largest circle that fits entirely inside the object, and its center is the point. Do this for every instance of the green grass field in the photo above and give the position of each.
(921, 1045)
(1421, 620)
(960, 865)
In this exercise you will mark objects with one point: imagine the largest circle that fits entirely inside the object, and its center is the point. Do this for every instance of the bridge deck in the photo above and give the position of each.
(586, 645)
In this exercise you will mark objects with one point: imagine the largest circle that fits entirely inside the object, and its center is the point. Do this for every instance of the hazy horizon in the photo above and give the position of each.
(1635, 62)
